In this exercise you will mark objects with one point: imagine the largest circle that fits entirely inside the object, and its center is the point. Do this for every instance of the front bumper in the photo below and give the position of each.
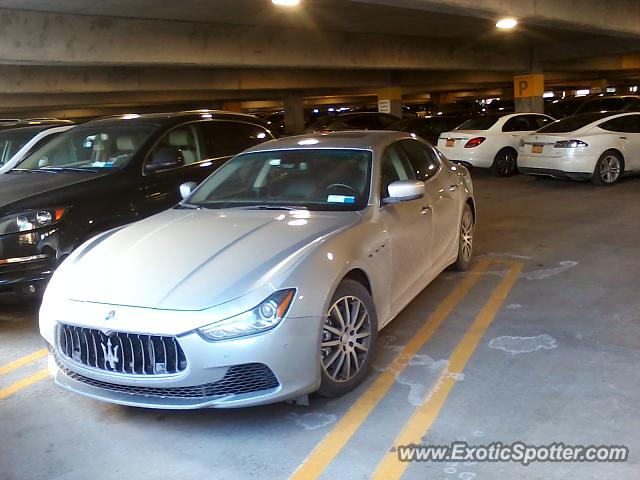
(275, 366)
(29, 257)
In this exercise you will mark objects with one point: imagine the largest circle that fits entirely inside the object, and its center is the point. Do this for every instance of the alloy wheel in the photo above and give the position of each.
(610, 169)
(346, 338)
(466, 235)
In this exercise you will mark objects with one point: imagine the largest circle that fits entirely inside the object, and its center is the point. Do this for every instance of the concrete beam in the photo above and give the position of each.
(23, 79)
(58, 39)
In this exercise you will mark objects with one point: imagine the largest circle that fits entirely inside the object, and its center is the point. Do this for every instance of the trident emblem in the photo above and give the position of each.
(110, 354)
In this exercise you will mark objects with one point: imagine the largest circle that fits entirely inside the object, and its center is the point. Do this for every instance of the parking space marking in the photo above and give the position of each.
(425, 415)
(25, 382)
(328, 448)
(21, 362)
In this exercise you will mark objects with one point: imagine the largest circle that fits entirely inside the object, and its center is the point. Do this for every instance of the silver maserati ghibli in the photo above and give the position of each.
(268, 282)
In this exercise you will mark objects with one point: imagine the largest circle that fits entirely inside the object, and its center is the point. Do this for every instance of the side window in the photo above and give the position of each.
(635, 123)
(519, 123)
(185, 138)
(423, 160)
(395, 167)
(227, 138)
(627, 124)
(540, 121)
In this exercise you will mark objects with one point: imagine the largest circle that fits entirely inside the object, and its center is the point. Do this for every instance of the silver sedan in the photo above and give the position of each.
(268, 282)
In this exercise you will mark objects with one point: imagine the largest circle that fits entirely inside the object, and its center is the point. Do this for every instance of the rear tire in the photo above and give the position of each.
(609, 169)
(348, 339)
(465, 240)
(505, 163)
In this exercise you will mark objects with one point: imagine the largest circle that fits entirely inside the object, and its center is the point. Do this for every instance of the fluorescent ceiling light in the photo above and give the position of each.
(286, 3)
(506, 23)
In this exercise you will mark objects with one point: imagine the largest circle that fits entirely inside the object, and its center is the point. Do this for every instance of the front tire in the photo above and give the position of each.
(465, 240)
(609, 169)
(348, 339)
(505, 163)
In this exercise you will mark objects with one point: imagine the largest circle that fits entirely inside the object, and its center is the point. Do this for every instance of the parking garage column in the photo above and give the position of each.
(390, 101)
(293, 115)
(528, 91)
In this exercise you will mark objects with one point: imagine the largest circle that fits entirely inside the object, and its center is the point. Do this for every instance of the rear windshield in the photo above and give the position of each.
(480, 123)
(571, 124)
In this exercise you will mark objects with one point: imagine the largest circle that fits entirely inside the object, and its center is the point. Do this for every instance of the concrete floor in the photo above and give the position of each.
(559, 362)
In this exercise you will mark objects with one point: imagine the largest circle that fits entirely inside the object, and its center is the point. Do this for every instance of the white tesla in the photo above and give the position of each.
(600, 146)
(491, 141)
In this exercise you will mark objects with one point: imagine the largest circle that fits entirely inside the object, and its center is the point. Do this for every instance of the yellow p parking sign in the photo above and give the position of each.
(528, 85)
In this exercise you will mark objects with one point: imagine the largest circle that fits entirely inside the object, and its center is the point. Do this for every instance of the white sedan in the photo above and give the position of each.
(600, 147)
(16, 143)
(491, 141)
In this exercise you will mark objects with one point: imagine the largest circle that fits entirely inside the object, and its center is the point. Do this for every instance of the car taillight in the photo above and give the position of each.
(474, 142)
(570, 144)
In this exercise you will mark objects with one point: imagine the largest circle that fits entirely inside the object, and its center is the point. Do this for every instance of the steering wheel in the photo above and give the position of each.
(342, 185)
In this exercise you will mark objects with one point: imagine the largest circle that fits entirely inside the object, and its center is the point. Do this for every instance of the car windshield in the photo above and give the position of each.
(313, 179)
(13, 140)
(484, 122)
(571, 124)
(96, 147)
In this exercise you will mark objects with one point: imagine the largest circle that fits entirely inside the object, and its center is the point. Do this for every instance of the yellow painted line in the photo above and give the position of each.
(21, 362)
(24, 383)
(425, 415)
(324, 453)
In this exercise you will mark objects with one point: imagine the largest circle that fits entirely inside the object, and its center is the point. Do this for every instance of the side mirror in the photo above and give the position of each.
(187, 188)
(404, 191)
(165, 159)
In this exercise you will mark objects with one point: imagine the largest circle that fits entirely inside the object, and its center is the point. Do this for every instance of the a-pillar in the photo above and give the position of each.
(293, 115)
(390, 101)
(528, 91)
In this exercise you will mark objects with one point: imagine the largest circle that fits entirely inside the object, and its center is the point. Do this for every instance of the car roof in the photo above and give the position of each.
(170, 118)
(34, 122)
(351, 139)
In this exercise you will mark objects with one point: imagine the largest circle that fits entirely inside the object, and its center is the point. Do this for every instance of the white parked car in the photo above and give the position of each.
(491, 141)
(16, 143)
(269, 282)
(600, 147)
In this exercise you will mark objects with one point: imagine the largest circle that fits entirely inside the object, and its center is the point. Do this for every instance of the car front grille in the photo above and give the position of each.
(239, 379)
(122, 352)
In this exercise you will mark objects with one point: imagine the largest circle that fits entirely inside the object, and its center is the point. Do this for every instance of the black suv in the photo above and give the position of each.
(104, 174)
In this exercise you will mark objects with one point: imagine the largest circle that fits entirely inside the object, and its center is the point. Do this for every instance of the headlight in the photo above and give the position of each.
(262, 318)
(31, 220)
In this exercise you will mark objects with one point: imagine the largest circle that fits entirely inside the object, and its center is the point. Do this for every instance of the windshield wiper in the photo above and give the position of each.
(69, 169)
(270, 207)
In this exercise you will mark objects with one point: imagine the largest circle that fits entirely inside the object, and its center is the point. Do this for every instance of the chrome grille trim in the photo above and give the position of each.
(127, 353)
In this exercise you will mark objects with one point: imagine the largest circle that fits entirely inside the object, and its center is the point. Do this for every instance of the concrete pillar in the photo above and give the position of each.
(528, 90)
(293, 115)
(390, 101)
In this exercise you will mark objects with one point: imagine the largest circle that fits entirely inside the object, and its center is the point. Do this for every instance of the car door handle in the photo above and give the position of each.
(426, 210)
(623, 138)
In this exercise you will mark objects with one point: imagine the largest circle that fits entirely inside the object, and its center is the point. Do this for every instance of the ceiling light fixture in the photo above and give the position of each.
(286, 3)
(506, 23)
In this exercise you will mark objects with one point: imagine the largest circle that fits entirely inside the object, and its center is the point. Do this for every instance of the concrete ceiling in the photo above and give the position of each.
(132, 52)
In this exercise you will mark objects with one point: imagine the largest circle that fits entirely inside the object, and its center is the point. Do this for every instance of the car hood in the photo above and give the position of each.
(18, 186)
(195, 259)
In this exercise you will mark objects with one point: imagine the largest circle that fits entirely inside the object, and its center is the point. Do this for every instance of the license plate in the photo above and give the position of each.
(450, 142)
(537, 148)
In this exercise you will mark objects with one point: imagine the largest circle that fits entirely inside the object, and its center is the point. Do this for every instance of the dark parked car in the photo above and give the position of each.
(354, 121)
(429, 128)
(610, 103)
(105, 174)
